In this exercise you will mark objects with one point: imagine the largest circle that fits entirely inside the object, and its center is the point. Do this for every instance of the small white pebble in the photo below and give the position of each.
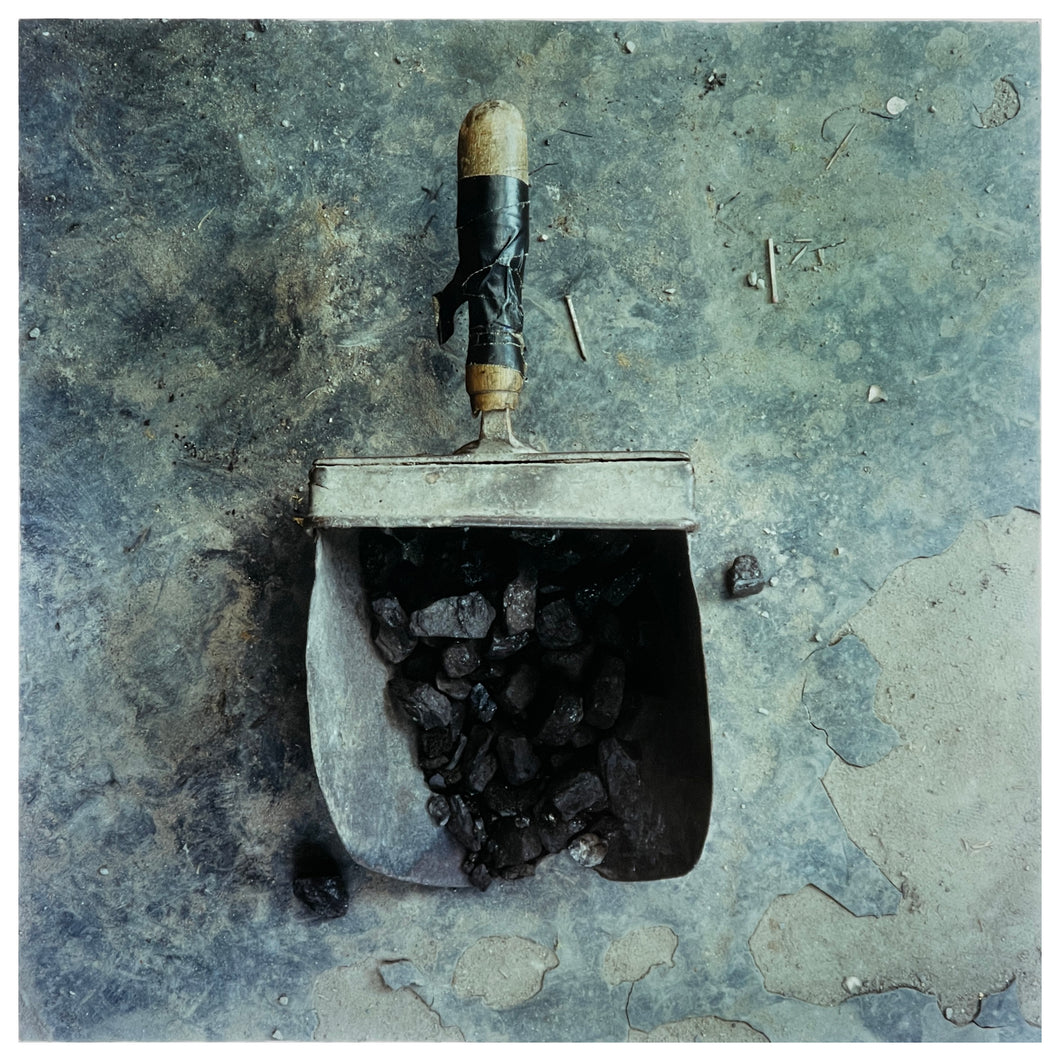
(761, 285)
(773, 580)
(103, 871)
(763, 711)
(949, 1013)
(286, 124)
(752, 279)
(283, 1000)
(851, 984)
(630, 46)
(876, 394)
(669, 290)
(895, 105)
(543, 238)
(34, 333)
(276, 1033)
(931, 109)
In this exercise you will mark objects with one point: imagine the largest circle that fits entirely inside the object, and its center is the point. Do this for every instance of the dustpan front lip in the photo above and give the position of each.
(616, 491)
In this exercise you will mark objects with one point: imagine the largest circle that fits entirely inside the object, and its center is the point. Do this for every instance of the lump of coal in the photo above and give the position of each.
(581, 794)
(318, 882)
(464, 824)
(504, 645)
(561, 723)
(520, 603)
(514, 845)
(588, 849)
(424, 704)
(518, 693)
(469, 615)
(517, 760)
(438, 809)
(482, 703)
(621, 775)
(392, 636)
(454, 688)
(459, 659)
(605, 693)
(745, 577)
(568, 663)
(558, 626)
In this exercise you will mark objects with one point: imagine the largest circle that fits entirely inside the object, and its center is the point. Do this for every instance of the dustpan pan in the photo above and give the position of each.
(504, 655)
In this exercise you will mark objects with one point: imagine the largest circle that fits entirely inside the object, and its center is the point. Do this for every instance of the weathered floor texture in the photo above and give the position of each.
(230, 233)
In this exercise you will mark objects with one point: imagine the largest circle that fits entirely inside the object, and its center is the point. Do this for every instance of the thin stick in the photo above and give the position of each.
(574, 323)
(774, 297)
(798, 254)
(842, 144)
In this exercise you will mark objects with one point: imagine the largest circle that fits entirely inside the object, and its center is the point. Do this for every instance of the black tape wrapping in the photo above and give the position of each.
(493, 225)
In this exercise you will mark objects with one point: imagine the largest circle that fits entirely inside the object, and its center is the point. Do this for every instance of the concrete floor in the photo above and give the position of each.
(230, 232)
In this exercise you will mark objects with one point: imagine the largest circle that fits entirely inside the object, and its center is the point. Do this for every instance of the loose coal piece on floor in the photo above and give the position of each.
(744, 577)
(318, 882)
(512, 844)
(468, 615)
(606, 692)
(582, 793)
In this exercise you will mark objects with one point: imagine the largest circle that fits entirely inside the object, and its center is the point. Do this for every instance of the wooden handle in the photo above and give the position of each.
(492, 141)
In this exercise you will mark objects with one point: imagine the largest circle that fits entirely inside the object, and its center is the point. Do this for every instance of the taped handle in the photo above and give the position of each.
(493, 225)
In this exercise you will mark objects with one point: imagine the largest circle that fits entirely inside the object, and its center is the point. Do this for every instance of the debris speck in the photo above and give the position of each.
(876, 394)
(744, 577)
(587, 850)
(851, 985)
(103, 871)
(895, 105)
(752, 279)
(34, 333)
(630, 47)
(283, 1000)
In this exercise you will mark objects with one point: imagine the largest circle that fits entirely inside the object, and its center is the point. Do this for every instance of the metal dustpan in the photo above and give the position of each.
(504, 654)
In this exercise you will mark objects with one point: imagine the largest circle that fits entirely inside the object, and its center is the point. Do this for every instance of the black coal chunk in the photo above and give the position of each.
(318, 882)
(502, 646)
(513, 845)
(583, 793)
(465, 824)
(520, 602)
(562, 721)
(557, 625)
(519, 691)
(483, 705)
(459, 659)
(468, 615)
(392, 636)
(745, 577)
(424, 704)
(621, 776)
(438, 809)
(454, 688)
(516, 756)
(568, 663)
(606, 691)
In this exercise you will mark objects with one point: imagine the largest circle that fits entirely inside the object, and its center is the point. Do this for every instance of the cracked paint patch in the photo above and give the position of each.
(838, 695)
(638, 952)
(504, 971)
(700, 1030)
(355, 1003)
(952, 815)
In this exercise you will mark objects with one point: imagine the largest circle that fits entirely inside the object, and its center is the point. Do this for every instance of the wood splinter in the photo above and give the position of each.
(773, 296)
(842, 144)
(574, 325)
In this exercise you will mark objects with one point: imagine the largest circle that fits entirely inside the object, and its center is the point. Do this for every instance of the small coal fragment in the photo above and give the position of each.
(481, 762)
(424, 704)
(464, 824)
(520, 689)
(556, 833)
(435, 747)
(484, 706)
(557, 625)
(459, 659)
(581, 794)
(588, 849)
(392, 636)
(438, 809)
(480, 877)
(562, 721)
(568, 663)
(507, 801)
(513, 845)
(745, 577)
(466, 616)
(318, 882)
(517, 760)
(520, 599)
(606, 691)
(454, 688)
(502, 646)
(622, 586)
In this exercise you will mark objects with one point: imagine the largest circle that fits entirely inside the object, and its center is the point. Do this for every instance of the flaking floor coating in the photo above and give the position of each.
(230, 232)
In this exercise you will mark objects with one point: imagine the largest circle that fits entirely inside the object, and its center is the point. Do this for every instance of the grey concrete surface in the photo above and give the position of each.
(229, 235)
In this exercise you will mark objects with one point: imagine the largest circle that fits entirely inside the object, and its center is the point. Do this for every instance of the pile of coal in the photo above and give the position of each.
(520, 657)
